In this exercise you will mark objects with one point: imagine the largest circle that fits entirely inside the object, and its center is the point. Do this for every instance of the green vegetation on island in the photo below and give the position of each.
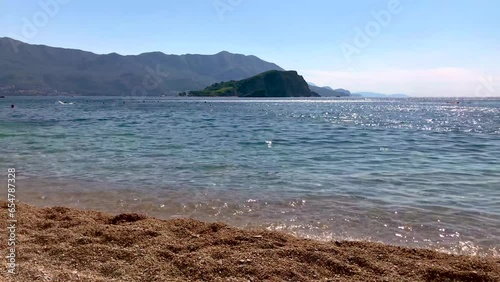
(268, 84)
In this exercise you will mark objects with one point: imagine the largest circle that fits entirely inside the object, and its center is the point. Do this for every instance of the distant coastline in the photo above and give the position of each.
(379, 95)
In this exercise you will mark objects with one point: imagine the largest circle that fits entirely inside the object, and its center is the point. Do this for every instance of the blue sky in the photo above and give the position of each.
(422, 48)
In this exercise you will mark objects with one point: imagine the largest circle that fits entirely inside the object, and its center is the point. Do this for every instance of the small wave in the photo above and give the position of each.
(65, 103)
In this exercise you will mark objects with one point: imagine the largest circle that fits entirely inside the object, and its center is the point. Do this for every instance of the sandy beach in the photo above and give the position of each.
(63, 244)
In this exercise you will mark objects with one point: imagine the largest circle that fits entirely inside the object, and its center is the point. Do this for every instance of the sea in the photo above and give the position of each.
(417, 172)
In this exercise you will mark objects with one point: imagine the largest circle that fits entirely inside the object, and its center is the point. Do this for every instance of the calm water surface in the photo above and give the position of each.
(412, 172)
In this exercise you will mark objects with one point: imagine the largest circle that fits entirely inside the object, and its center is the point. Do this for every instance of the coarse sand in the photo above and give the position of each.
(63, 244)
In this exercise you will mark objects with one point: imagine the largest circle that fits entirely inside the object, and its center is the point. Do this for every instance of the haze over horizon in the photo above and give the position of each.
(424, 48)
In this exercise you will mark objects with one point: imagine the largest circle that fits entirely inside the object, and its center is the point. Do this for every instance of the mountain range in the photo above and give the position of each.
(28, 69)
(59, 70)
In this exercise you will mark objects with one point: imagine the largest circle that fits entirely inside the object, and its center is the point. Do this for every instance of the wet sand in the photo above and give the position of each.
(63, 244)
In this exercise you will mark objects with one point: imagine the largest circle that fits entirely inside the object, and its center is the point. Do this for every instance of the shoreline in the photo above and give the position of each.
(65, 244)
(249, 212)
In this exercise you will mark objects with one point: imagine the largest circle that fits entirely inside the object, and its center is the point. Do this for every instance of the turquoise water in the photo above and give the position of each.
(413, 172)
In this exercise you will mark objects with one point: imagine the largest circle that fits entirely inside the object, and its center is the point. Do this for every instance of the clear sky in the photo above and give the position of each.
(422, 48)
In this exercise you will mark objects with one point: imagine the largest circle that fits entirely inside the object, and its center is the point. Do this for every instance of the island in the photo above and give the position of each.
(267, 84)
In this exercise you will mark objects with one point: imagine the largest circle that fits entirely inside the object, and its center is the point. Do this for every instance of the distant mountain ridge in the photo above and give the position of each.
(58, 70)
(327, 91)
